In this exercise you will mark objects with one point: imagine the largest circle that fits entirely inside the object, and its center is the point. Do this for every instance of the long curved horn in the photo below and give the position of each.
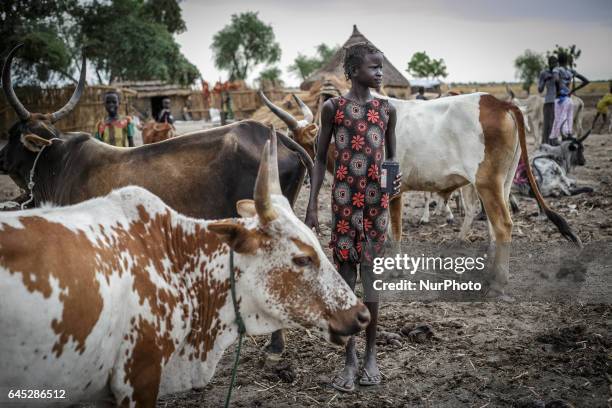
(510, 92)
(74, 99)
(275, 187)
(308, 116)
(283, 115)
(7, 86)
(583, 138)
(261, 195)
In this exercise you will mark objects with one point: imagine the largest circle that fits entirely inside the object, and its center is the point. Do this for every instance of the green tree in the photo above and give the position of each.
(243, 44)
(422, 66)
(122, 39)
(528, 66)
(571, 51)
(270, 76)
(304, 65)
(41, 25)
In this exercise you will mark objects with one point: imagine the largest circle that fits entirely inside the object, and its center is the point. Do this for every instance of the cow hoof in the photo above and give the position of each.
(424, 221)
(450, 221)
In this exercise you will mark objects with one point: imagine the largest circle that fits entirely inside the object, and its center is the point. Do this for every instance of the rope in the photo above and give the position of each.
(241, 328)
(31, 184)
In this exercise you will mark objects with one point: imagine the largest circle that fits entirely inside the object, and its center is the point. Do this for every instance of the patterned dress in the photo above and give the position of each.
(359, 208)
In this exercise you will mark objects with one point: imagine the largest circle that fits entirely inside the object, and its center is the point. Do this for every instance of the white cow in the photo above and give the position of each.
(120, 299)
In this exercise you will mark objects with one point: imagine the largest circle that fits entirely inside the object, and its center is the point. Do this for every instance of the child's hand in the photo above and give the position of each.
(312, 220)
(397, 184)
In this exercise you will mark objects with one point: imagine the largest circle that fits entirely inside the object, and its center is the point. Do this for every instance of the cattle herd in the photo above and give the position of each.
(116, 287)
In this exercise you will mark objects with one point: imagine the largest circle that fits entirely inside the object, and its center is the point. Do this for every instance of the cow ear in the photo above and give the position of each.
(241, 239)
(34, 142)
(246, 208)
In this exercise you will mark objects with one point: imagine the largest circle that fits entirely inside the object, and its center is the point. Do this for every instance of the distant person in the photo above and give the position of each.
(114, 129)
(548, 83)
(421, 94)
(564, 109)
(165, 116)
(602, 107)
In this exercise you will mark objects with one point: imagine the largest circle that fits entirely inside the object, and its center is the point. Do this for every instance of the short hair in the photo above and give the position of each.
(552, 60)
(421, 89)
(354, 56)
(107, 93)
(563, 58)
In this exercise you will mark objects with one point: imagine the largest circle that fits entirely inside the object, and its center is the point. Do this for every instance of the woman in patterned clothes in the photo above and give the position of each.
(364, 130)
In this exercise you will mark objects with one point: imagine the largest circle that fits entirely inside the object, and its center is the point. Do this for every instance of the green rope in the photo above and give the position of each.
(241, 328)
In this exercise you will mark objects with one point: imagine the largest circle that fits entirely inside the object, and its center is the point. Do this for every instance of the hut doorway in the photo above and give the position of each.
(156, 106)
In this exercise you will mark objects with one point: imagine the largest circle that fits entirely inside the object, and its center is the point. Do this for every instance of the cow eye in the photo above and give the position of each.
(572, 147)
(302, 261)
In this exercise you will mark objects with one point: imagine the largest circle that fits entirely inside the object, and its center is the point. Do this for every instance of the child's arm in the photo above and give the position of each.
(584, 82)
(390, 147)
(318, 173)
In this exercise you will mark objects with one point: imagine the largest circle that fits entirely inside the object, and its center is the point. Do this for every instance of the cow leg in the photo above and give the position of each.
(450, 218)
(276, 345)
(492, 195)
(471, 205)
(395, 210)
(425, 217)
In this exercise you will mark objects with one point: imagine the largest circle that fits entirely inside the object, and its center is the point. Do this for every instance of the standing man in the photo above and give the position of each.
(114, 129)
(165, 116)
(548, 82)
(602, 106)
(564, 108)
(421, 95)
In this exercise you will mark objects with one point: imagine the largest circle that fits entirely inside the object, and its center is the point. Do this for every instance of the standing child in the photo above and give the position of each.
(364, 132)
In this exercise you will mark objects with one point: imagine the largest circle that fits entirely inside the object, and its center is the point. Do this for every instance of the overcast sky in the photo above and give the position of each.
(478, 39)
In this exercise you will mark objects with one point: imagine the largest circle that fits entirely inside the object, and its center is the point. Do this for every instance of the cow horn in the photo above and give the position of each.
(510, 92)
(261, 195)
(74, 99)
(21, 111)
(564, 136)
(283, 115)
(583, 138)
(308, 116)
(275, 187)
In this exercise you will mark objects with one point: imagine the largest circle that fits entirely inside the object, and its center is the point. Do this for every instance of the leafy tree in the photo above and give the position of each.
(41, 25)
(243, 44)
(122, 39)
(270, 76)
(528, 66)
(304, 65)
(572, 52)
(422, 66)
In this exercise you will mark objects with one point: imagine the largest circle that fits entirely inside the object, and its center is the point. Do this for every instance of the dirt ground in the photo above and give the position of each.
(520, 354)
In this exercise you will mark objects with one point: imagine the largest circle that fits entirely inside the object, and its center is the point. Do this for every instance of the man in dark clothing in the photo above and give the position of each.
(421, 95)
(548, 81)
(165, 116)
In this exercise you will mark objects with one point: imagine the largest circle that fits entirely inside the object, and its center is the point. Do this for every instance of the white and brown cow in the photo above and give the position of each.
(121, 299)
(445, 144)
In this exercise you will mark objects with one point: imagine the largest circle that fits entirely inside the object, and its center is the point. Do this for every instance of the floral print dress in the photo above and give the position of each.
(359, 208)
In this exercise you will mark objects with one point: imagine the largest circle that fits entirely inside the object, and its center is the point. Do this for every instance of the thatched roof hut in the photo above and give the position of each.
(394, 83)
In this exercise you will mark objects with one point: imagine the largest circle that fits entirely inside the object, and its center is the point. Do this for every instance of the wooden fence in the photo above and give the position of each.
(84, 117)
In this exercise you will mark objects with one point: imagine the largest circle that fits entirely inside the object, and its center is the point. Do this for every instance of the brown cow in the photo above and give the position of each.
(120, 299)
(202, 174)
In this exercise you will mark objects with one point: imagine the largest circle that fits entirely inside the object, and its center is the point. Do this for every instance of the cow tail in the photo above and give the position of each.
(555, 217)
(295, 147)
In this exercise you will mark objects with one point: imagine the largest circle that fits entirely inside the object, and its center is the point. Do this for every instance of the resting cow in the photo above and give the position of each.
(551, 166)
(121, 299)
(202, 174)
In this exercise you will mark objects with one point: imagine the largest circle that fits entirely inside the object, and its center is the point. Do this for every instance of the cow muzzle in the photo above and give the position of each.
(346, 323)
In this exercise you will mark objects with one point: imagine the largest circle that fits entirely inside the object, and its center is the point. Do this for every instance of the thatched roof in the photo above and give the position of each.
(148, 89)
(391, 76)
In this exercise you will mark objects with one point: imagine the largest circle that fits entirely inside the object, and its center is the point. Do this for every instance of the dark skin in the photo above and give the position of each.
(111, 104)
(598, 114)
(366, 76)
